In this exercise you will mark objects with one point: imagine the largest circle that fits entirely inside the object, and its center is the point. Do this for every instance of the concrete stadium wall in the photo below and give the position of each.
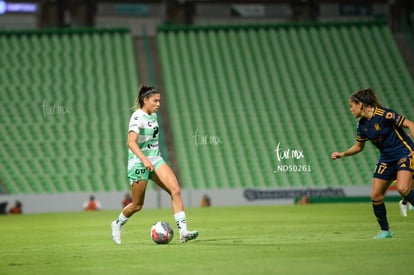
(45, 203)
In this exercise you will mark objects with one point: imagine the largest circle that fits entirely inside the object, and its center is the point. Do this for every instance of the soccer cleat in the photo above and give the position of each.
(383, 234)
(410, 206)
(403, 208)
(188, 236)
(116, 232)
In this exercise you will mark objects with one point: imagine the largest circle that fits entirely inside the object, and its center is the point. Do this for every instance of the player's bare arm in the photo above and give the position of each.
(410, 126)
(132, 144)
(353, 150)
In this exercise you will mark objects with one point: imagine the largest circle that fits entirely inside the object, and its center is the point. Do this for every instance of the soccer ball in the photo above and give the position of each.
(162, 232)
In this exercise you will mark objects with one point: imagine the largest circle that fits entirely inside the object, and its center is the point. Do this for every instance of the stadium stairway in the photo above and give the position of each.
(248, 104)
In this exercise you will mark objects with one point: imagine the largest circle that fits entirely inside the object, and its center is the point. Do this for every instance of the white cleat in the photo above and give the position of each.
(188, 236)
(403, 209)
(116, 232)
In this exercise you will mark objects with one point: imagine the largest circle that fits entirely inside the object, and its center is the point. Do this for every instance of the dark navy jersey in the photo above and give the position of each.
(385, 131)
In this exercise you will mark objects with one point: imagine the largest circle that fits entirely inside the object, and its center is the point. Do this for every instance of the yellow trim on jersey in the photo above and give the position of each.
(402, 140)
(360, 139)
(402, 118)
(378, 111)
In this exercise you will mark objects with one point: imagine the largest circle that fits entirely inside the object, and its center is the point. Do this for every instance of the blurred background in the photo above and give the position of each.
(254, 97)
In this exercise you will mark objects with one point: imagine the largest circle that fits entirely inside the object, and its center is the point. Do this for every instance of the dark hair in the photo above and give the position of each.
(143, 92)
(366, 97)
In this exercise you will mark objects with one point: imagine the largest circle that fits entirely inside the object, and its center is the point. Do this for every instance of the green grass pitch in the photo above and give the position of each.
(306, 239)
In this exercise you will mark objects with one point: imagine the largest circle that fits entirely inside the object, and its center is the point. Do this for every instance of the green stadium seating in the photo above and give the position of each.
(66, 98)
(243, 90)
(257, 86)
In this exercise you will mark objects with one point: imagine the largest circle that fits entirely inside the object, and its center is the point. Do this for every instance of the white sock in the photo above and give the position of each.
(180, 221)
(122, 219)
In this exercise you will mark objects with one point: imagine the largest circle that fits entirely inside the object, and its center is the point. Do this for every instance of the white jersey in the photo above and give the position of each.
(146, 126)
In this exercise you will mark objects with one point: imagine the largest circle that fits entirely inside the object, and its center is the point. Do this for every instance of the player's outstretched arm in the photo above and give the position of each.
(410, 125)
(353, 150)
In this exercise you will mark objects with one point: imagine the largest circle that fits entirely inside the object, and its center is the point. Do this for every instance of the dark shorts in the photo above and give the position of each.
(388, 170)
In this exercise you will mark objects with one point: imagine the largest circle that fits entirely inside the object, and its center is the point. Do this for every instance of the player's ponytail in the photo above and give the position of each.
(143, 92)
(367, 97)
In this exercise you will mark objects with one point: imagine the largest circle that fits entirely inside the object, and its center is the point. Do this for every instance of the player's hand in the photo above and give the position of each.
(148, 165)
(336, 155)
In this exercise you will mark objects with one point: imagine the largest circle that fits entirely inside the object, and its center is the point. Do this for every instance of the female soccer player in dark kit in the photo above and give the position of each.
(384, 128)
(145, 162)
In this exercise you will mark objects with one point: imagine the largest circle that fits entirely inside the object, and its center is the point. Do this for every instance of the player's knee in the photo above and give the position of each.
(175, 191)
(377, 197)
(403, 190)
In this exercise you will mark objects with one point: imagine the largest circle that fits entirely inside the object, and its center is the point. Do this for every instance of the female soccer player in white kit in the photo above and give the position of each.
(145, 162)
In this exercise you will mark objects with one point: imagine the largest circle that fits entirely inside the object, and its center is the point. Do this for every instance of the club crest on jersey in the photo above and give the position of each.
(377, 127)
(389, 115)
